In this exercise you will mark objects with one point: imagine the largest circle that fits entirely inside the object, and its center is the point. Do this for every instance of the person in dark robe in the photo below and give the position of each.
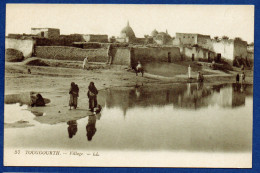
(92, 96)
(200, 77)
(74, 93)
(91, 127)
(237, 78)
(39, 101)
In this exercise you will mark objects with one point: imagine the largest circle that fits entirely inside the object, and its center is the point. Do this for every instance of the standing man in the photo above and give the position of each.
(189, 72)
(110, 55)
(85, 63)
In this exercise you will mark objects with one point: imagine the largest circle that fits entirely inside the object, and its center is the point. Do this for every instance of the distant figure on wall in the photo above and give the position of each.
(74, 93)
(109, 55)
(92, 96)
(139, 69)
(85, 63)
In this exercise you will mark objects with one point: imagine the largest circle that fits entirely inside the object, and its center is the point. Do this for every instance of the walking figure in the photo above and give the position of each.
(85, 63)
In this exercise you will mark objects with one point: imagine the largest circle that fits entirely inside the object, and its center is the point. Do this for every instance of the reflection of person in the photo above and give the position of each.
(92, 96)
(74, 93)
(72, 129)
(91, 127)
(199, 85)
(39, 101)
(137, 92)
(85, 63)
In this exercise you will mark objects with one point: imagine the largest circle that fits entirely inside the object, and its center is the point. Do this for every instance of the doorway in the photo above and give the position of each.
(42, 34)
(192, 57)
(169, 57)
(218, 57)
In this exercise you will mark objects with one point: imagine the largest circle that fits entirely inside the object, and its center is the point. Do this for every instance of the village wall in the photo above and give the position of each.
(156, 54)
(121, 56)
(71, 53)
(23, 45)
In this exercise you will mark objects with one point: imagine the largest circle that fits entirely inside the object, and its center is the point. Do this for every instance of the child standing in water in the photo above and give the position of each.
(74, 93)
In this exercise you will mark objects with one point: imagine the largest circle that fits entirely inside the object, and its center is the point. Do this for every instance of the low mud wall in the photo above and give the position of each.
(71, 53)
(160, 54)
(130, 56)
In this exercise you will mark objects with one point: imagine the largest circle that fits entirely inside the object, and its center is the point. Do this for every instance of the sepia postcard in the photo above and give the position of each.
(102, 85)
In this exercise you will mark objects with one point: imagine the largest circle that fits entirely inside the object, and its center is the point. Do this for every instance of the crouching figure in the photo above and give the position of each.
(37, 101)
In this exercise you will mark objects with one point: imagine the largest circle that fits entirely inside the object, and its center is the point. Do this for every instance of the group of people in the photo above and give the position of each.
(242, 76)
(92, 96)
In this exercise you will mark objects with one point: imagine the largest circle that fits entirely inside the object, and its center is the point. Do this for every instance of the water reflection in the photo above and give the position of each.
(225, 126)
(186, 96)
(91, 127)
(73, 128)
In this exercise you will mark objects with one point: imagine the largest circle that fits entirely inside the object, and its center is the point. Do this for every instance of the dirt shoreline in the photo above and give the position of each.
(54, 83)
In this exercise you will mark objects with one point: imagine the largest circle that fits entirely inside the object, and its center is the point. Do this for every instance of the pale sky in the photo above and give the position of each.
(214, 20)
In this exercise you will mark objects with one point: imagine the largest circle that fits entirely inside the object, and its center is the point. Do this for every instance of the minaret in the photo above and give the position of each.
(128, 23)
(166, 31)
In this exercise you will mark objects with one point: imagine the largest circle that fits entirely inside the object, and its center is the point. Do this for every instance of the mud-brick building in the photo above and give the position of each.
(230, 49)
(196, 46)
(192, 39)
(96, 38)
(51, 33)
